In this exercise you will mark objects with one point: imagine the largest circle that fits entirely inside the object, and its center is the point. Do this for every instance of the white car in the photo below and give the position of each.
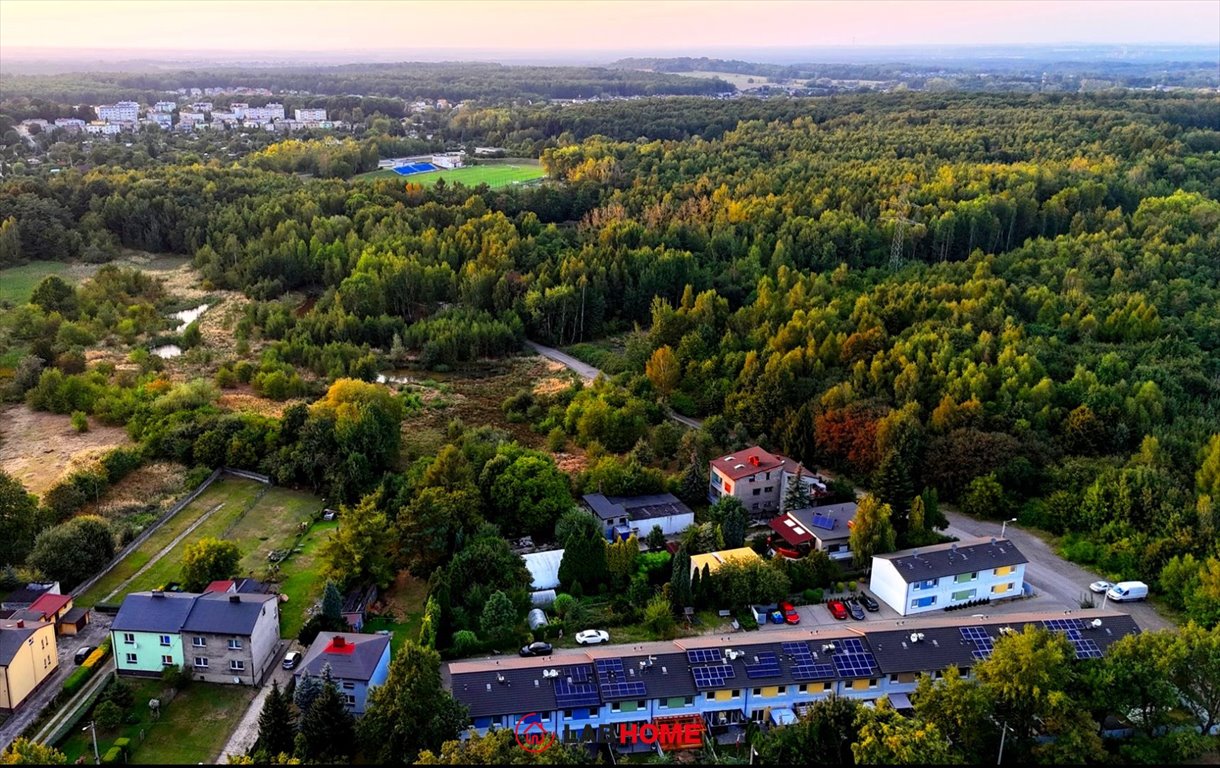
(1100, 587)
(592, 637)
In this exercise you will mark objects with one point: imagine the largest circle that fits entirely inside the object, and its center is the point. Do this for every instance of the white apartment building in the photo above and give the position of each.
(201, 106)
(123, 111)
(303, 115)
(70, 124)
(103, 128)
(165, 106)
(265, 114)
(191, 118)
(933, 578)
(161, 119)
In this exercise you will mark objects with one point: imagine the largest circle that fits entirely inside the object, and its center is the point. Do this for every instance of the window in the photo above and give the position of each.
(349, 685)
(165, 640)
(567, 714)
(237, 666)
(199, 642)
(965, 594)
(757, 491)
(351, 700)
(709, 696)
(962, 578)
(201, 662)
(234, 644)
(923, 602)
(131, 658)
(1000, 589)
(754, 505)
(129, 638)
(769, 488)
(1003, 570)
(929, 584)
(167, 660)
(728, 487)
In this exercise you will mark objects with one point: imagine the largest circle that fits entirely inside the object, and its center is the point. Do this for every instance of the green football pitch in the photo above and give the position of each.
(498, 175)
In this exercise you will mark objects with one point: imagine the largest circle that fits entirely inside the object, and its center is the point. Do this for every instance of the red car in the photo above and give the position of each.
(837, 609)
(790, 614)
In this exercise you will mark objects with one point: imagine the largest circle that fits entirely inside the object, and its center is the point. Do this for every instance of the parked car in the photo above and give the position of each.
(83, 653)
(329, 514)
(790, 614)
(870, 605)
(592, 637)
(837, 609)
(1128, 590)
(1100, 587)
(855, 610)
(777, 617)
(536, 649)
(291, 660)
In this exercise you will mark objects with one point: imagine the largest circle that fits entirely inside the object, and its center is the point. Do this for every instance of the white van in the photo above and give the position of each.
(1128, 590)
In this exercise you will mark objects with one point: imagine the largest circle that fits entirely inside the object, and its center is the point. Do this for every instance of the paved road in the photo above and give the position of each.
(29, 710)
(589, 373)
(246, 732)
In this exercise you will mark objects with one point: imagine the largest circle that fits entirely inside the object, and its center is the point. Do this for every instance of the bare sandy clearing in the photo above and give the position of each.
(38, 448)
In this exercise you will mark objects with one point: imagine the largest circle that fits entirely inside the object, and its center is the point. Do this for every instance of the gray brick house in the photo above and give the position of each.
(231, 638)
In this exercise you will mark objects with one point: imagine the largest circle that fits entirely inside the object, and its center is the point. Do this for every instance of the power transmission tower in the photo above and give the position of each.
(901, 222)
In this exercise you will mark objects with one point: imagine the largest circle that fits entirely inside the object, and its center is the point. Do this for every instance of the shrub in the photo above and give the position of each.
(465, 641)
(112, 755)
(123, 744)
(80, 421)
(176, 677)
(108, 715)
(852, 586)
(840, 586)
(101, 652)
(556, 439)
(813, 595)
(563, 604)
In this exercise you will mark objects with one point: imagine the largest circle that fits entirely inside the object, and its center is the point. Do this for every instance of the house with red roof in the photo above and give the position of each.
(758, 478)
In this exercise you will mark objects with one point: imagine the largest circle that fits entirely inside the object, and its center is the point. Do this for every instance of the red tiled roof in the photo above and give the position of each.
(222, 586)
(750, 462)
(793, 532)
(50, 604)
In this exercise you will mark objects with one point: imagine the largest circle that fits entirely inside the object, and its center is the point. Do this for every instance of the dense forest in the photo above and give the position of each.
(455, 81)
(1013, 301)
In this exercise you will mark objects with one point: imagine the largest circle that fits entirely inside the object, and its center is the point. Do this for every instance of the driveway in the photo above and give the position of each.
(67, 645)
(246, 732)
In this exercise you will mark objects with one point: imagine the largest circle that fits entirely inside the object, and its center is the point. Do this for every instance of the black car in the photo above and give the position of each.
(536, 649)
(855, 610)
(869, 603)
(83, 654)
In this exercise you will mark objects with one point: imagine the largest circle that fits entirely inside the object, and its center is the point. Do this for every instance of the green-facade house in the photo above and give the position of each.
(145, 635)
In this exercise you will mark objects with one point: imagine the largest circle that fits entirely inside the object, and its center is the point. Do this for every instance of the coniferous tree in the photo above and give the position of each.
(332, 602)
(328, 731)
(308, 688)
(680, 581)
(275, 724)
(797, 495)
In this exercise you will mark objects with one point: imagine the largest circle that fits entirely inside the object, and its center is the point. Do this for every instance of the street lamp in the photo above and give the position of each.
(1004, 527)
(92, 726)
(1003, 732)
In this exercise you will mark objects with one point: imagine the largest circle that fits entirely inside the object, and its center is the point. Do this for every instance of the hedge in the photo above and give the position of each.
(99, 654)
(123, 744)
(77, 679)
(112, 755)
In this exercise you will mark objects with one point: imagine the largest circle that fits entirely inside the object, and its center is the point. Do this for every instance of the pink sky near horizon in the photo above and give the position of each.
(573, 26)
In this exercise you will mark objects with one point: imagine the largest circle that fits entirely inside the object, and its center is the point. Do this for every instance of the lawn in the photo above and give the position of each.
(17, 283)
(494, 175)
(301, 578)
(233, 493)
(405, 601)
(192, 728)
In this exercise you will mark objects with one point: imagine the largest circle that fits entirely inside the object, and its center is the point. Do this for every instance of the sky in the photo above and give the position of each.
(591, 25)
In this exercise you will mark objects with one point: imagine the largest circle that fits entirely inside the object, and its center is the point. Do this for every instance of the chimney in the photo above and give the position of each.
(20, 623)
(234, 599)
(158, 593)
(339, 641)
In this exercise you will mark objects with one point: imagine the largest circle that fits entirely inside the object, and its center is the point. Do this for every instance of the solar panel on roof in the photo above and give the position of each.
(850, 645)
(606, 667)
(703, 655)
(623, 689)
(854, 664)
(712, 676)
(575, 694)
(1062, 625)
(981, 655)
(974, 633)
(796, 649)
(1087, 649)
(824, 521)
(766, 666)
(813, 671)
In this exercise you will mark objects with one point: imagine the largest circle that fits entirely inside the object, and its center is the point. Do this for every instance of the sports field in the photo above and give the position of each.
(493, 175)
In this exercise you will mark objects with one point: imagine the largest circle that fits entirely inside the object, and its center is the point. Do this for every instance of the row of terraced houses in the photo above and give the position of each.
(768, 677)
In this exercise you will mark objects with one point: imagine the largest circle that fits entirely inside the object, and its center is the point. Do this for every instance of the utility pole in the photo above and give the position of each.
(901, 222)
(1003, 732)
(92, 726)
